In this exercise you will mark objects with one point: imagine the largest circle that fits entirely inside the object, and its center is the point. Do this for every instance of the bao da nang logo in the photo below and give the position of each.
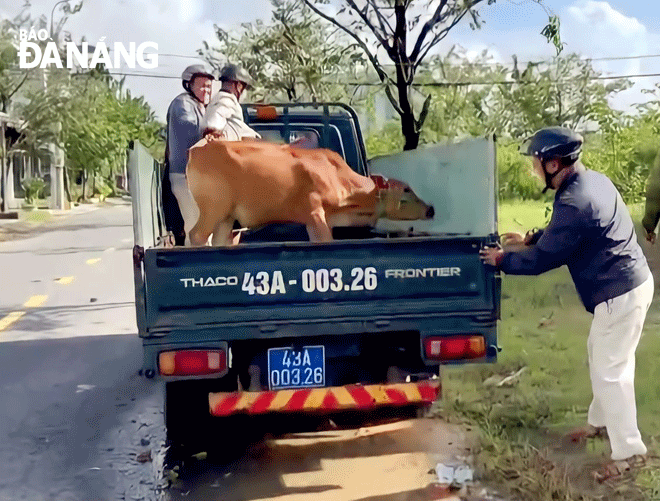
(32, 55)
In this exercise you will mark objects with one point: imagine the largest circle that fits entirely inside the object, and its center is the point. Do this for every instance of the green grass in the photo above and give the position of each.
(544, 328)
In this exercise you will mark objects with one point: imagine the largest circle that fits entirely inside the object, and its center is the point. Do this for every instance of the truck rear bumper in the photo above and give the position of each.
(331, 399)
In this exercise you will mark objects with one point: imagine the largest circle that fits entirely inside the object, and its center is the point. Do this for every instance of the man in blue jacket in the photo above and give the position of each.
(183, 121)
(593, 234)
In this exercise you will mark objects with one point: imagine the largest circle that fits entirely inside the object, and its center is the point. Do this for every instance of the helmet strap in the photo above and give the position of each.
(549, 177)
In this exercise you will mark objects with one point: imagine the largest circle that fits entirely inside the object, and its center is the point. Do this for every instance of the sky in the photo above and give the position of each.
(591, 28)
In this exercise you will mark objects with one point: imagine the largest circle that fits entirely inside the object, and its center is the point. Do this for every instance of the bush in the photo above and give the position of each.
(515, 178)
(33, 187)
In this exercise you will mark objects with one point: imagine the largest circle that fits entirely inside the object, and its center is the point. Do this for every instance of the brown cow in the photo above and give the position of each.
(257, 182)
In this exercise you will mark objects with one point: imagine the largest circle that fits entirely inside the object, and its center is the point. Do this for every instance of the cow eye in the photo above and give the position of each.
(407, 190)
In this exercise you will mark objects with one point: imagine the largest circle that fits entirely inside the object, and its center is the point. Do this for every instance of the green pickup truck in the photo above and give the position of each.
(280, 325)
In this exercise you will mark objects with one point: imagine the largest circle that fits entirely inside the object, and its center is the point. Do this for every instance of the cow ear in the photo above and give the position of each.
(381, 182)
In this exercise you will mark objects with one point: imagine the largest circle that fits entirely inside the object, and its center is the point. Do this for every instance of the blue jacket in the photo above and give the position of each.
(183, 118)
(591, 232)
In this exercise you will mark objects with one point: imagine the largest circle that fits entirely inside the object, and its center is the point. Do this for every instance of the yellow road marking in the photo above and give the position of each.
(66, 280)
(35, 301)
(10, 319)
(93, 260)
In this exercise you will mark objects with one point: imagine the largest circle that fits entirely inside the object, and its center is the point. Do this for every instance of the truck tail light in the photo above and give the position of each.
(454, 347)
(192, 362)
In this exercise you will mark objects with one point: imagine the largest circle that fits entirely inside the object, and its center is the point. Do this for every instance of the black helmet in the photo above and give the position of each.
(554, 142)
(234, 73)
(192, 71)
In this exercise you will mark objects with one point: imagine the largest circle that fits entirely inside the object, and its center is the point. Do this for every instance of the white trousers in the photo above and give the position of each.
(613, 338)
(187, 204)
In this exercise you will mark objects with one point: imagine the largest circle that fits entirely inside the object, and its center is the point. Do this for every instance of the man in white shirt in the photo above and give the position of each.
(224, 115)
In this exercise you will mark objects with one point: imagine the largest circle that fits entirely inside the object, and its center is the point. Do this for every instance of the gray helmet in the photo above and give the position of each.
(192, 71)
(554, 142)
(235, 73)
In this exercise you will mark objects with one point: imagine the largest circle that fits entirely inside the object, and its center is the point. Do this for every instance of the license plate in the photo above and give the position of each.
(289, 368)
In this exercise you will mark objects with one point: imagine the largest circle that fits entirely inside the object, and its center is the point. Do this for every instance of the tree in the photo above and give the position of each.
(385, 26)
(565, 91)
(295, 57)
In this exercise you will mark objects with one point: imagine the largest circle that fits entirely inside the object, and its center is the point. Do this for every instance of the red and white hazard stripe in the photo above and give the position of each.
(324, 399)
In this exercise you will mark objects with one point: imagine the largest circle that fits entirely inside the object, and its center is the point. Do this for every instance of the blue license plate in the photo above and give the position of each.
(289, 368)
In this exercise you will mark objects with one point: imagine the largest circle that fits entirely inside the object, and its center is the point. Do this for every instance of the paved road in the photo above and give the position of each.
(71, 278)
(78, 424)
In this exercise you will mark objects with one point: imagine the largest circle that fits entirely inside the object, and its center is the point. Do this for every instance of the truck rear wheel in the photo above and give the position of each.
(190, 427)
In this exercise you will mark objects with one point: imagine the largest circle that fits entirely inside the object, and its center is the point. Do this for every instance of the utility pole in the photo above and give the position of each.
(3, 168)
(57, 174)
(57, 158)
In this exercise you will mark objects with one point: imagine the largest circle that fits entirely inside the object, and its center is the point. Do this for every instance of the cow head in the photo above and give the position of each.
(400, 203)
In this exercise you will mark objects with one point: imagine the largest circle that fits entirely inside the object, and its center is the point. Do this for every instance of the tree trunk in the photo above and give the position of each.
(404, 78)
(410, 134)
(408, 122)
(84, 182)
(66, 185)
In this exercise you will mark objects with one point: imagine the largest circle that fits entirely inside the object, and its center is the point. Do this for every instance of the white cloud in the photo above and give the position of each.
(596, 29)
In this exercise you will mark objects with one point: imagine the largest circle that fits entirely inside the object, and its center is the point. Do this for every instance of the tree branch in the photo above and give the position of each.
(372, 58)
(428, 26)
(9, 96)
(384, 23)
(443, 34)
(393, 100)
(368, 23)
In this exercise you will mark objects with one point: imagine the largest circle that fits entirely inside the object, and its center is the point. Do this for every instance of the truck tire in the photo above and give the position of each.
(190, 427)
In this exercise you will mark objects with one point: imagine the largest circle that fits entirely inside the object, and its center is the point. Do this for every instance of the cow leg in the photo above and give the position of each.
(318, 229)
(200, 233)
(223, 234)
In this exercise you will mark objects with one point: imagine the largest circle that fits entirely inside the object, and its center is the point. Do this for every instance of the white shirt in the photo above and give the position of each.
(225, 114)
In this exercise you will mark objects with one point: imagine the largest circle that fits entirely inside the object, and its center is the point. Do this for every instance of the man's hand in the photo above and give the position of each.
(491, 255)
(518, 240)
(214, 134)
(512, 239)
(649, 235)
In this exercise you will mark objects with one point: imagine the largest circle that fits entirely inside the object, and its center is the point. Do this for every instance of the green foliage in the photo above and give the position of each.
(397, 37)
(89, 115)
(295, 57)
(33, 189)
(515, 177)
(564, 91)
(386, 141)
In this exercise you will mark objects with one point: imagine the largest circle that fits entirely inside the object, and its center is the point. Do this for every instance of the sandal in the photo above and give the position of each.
(615, 469)
(586, 432)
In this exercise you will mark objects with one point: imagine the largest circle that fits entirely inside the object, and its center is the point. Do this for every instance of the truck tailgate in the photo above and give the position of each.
(304, 282)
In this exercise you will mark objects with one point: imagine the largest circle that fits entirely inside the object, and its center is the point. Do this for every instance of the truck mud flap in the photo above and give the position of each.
(331, 399)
